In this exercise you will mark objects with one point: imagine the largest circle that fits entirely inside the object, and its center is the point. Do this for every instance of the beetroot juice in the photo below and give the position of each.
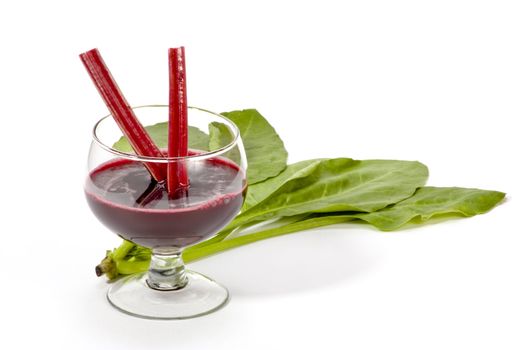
(126, 200)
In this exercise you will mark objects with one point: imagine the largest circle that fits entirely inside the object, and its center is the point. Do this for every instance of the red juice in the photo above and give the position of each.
(125, 199)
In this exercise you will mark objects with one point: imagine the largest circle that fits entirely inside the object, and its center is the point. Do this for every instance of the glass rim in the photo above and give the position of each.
(198, 156)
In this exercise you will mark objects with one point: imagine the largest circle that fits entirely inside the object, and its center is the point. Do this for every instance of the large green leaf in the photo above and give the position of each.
(431, 201)
(332, 185)
(256, 193)
(197, 139)
(220, 136)
(264, 148)
(427, 202)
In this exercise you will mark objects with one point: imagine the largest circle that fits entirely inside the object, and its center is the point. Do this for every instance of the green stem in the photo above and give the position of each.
(128, 267)
(123, 250)
(194, 253)
(106, 267)
(119, 265)
(109, 266)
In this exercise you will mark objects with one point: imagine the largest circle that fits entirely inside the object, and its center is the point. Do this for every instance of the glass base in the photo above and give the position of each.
(199, 297)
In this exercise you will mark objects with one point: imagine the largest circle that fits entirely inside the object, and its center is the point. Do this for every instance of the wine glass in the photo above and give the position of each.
(123, 196)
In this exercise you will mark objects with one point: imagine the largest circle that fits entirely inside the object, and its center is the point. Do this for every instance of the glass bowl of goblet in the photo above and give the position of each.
(122, 194)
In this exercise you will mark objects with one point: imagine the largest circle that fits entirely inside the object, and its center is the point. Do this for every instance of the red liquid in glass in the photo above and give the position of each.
(122, 196)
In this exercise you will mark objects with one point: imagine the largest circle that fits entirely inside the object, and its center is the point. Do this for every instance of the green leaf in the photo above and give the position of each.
(197, 139)
(260, 191)
(333, 185)
(220, 135)
(426, 203)
(431, 201)
(264, 148)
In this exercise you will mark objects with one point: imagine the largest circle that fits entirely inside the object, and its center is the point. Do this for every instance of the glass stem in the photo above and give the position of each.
(167, 270)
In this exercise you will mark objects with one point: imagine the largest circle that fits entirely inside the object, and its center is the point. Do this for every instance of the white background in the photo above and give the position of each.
(442, 82)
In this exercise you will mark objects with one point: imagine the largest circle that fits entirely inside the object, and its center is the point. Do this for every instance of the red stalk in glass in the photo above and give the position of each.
(120, 192)
(177, 179)
(124, 116)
